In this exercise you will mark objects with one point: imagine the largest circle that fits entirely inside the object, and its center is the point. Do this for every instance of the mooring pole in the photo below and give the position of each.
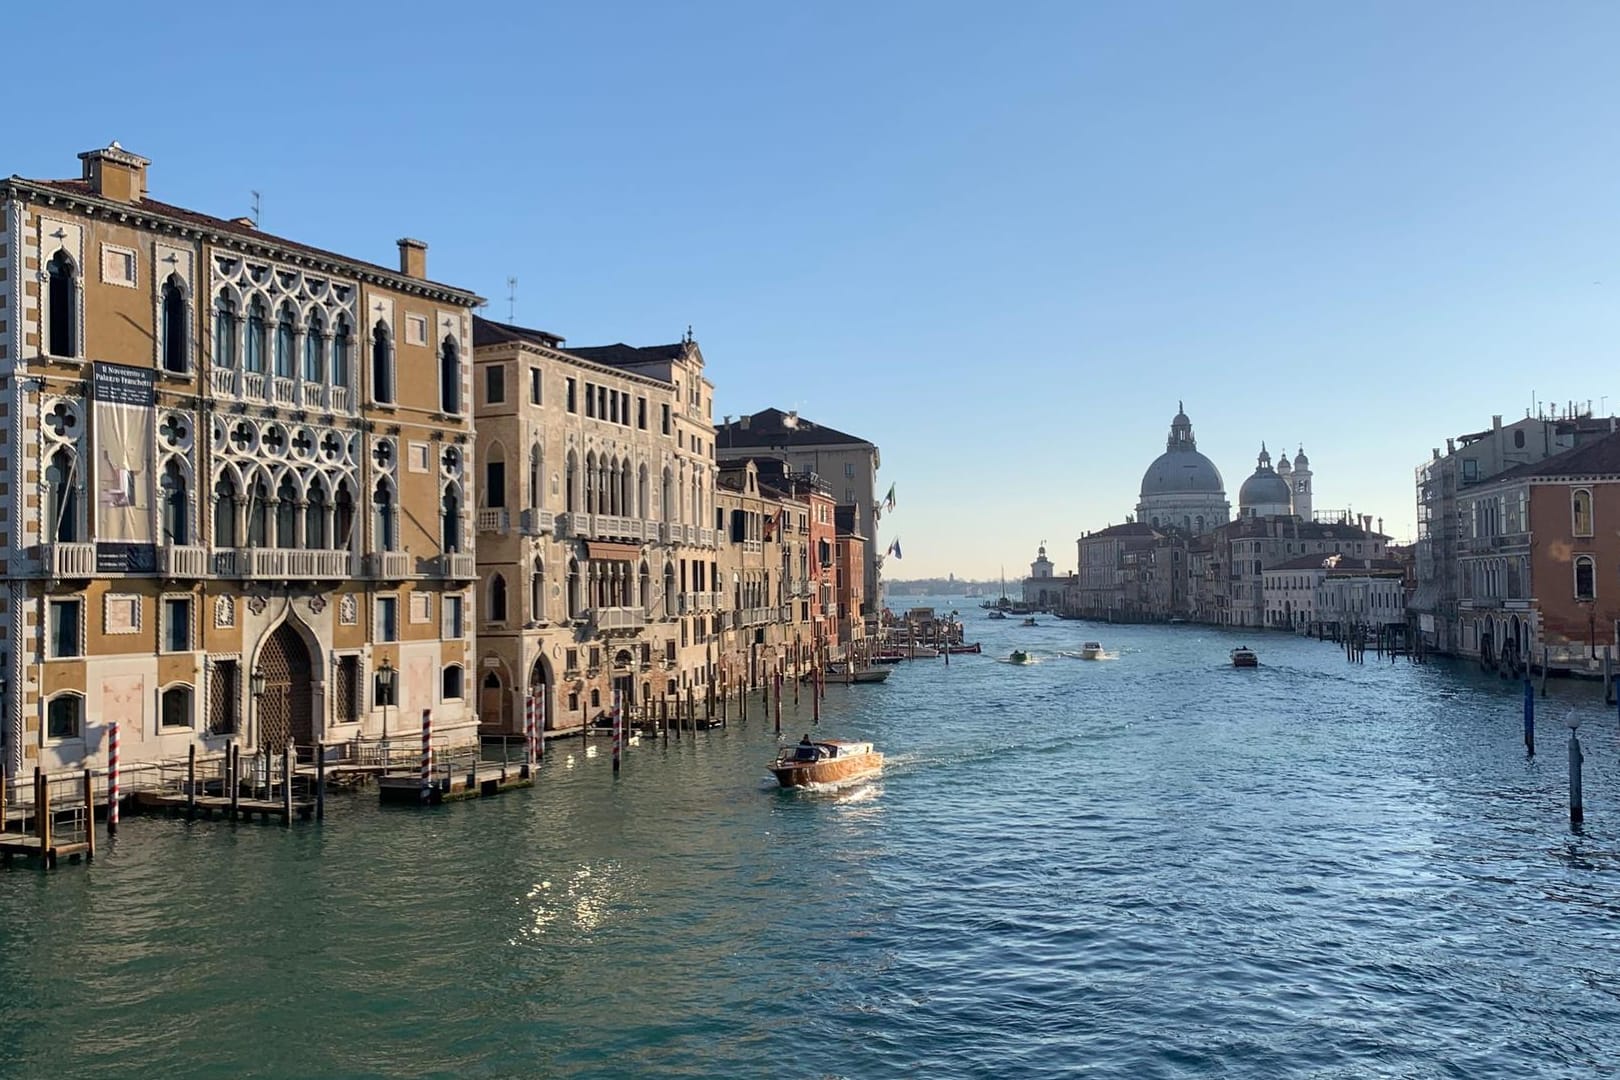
(1576, 811)
(1529, 718)
(89, 815)
(112, 780)
(320, 780)
(618, 733)
(425, 793)
(286, 783)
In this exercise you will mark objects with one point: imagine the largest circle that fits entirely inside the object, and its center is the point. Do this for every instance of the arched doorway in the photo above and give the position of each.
(540, 687)
(495, 705)
(624, 679)
(286, 709)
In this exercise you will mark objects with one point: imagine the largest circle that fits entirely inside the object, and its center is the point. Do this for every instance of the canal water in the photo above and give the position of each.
(1152, 865)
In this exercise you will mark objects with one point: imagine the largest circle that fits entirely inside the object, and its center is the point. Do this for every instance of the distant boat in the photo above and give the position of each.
(1030, 621)
(862, 675)
(997, 613)
(1018, 656)
(827, 762)
(1243, 656)
(1090, 650)
(958, 650)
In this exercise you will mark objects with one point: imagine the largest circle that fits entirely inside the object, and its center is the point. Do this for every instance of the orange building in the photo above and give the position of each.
(1540, 561)
(228, 454)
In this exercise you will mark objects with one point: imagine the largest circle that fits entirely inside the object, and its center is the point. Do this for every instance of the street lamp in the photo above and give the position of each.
(256, 690)
(385, 687)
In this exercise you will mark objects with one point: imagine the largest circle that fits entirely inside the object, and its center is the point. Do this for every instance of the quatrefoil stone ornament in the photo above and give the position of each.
(61, 420)
(174, 430)
(383, 453)
(242, 437)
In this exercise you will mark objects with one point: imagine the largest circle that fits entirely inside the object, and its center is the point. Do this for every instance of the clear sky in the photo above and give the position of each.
(999, 240)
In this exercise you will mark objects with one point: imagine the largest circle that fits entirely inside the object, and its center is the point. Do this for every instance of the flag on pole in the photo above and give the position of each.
(888, 500)
(894, 547)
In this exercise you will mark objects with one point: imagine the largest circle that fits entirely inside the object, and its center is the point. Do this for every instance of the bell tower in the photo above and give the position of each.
(1300, 486)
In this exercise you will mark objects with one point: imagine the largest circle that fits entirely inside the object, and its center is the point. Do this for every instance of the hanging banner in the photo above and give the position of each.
(122, 404)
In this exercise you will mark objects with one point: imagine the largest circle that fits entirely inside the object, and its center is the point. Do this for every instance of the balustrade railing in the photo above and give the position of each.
(69, 560)
(182, 561)
(536, 522)
(493, 520)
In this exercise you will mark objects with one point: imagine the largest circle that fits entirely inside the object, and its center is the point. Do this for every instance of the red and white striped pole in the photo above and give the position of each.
(427, 755)
(618, 734)
(528, 733)
(112, 780)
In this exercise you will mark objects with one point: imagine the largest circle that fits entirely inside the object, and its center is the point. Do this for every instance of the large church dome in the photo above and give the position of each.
(1181, 469)
(1265, 493)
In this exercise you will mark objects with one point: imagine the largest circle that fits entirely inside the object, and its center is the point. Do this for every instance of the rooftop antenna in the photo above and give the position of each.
(511, 299)
(255, 209)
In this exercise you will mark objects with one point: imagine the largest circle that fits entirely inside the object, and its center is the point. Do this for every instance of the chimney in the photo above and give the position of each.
(244, 222)
(412, 258)
(1496, 422)
(1451, 446)
(115, 173)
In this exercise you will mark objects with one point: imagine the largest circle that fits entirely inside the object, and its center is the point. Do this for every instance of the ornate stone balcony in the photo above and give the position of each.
(536, 522)
(179, 561)
(68, 560)
(388, 565)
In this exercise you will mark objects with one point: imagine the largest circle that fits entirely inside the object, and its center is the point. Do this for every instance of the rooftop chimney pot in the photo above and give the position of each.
(115, 173)
(412, 258)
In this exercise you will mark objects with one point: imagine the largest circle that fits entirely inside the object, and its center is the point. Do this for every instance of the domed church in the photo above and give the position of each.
(1277, 492)
(1183, 488)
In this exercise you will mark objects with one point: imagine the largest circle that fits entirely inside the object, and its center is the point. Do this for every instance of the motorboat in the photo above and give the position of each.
(825, 761)
(861, 675)
(960, 650)
(996, 613)
(1030, 621)
(1018, 656)
(1090, 650)
(1243, 656)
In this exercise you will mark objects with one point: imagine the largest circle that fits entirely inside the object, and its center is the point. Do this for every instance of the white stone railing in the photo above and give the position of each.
(619, 618)
(182, 561)
(223, 381)
(493, 520)
(537, 522)
(284, 390)
(253, 384)
(388, 565)
(69, 560)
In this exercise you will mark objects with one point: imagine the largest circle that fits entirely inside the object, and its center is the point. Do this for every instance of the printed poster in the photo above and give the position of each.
(121, 417)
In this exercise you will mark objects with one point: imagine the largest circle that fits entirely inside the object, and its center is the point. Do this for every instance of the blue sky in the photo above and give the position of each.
(1000, 241)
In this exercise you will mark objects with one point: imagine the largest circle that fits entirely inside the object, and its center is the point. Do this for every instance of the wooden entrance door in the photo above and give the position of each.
(286, 712)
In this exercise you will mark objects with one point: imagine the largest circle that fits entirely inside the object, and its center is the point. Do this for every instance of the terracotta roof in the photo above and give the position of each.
(1130, 528)
(622, 355)
(1320, 561)
(770, 427)
(488, 332)
(1600, 458)
(236, 229)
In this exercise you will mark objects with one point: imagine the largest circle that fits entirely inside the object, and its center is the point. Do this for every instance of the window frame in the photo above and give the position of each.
(50, 736)
(166, 623)
(494, 384)
(1575, 500)
(386, 629)
(190, 694)
(53, 633)
(1590, 562)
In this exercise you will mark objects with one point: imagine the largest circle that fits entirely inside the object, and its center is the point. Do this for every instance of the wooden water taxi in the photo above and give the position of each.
(837, 671)
(827, 761)
(1243, 656)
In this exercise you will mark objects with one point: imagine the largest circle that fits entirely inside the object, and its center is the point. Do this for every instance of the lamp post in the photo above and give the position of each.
(385, 684)
(256, 689)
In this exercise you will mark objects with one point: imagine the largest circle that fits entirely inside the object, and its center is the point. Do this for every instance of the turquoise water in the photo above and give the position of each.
(1148, 866)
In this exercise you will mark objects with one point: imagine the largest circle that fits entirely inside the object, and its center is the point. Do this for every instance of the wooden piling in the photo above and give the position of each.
(191, 782)
(235, 753)
(286, 784)
(89, 817)
(42, 810)
(320, 780)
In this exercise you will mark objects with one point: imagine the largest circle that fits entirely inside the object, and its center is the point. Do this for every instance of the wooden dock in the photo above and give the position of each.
(451, 783)
(210, 807)
(56, 825)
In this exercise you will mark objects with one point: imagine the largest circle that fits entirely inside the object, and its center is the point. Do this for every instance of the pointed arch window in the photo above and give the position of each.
(669, 587)
(573, 589)
(537, 591)
(449, 377)
(495, 478)
(62, 497)
(341, 351)
(1580, 503)
(173, 335)
(450, 532)
(316, 516)
(286, 513)
(383, 512)
(536, 489)
(382, 364)
(286, 342)
(591, 506)
(226, 500)
(314, 343)
(1585, 578)
(226, 328)
(176, 516)
(645, 591)
(256, 330)
(63, 298)
(571, 483)
(343, 519)
(497, 599)
(258, 513)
